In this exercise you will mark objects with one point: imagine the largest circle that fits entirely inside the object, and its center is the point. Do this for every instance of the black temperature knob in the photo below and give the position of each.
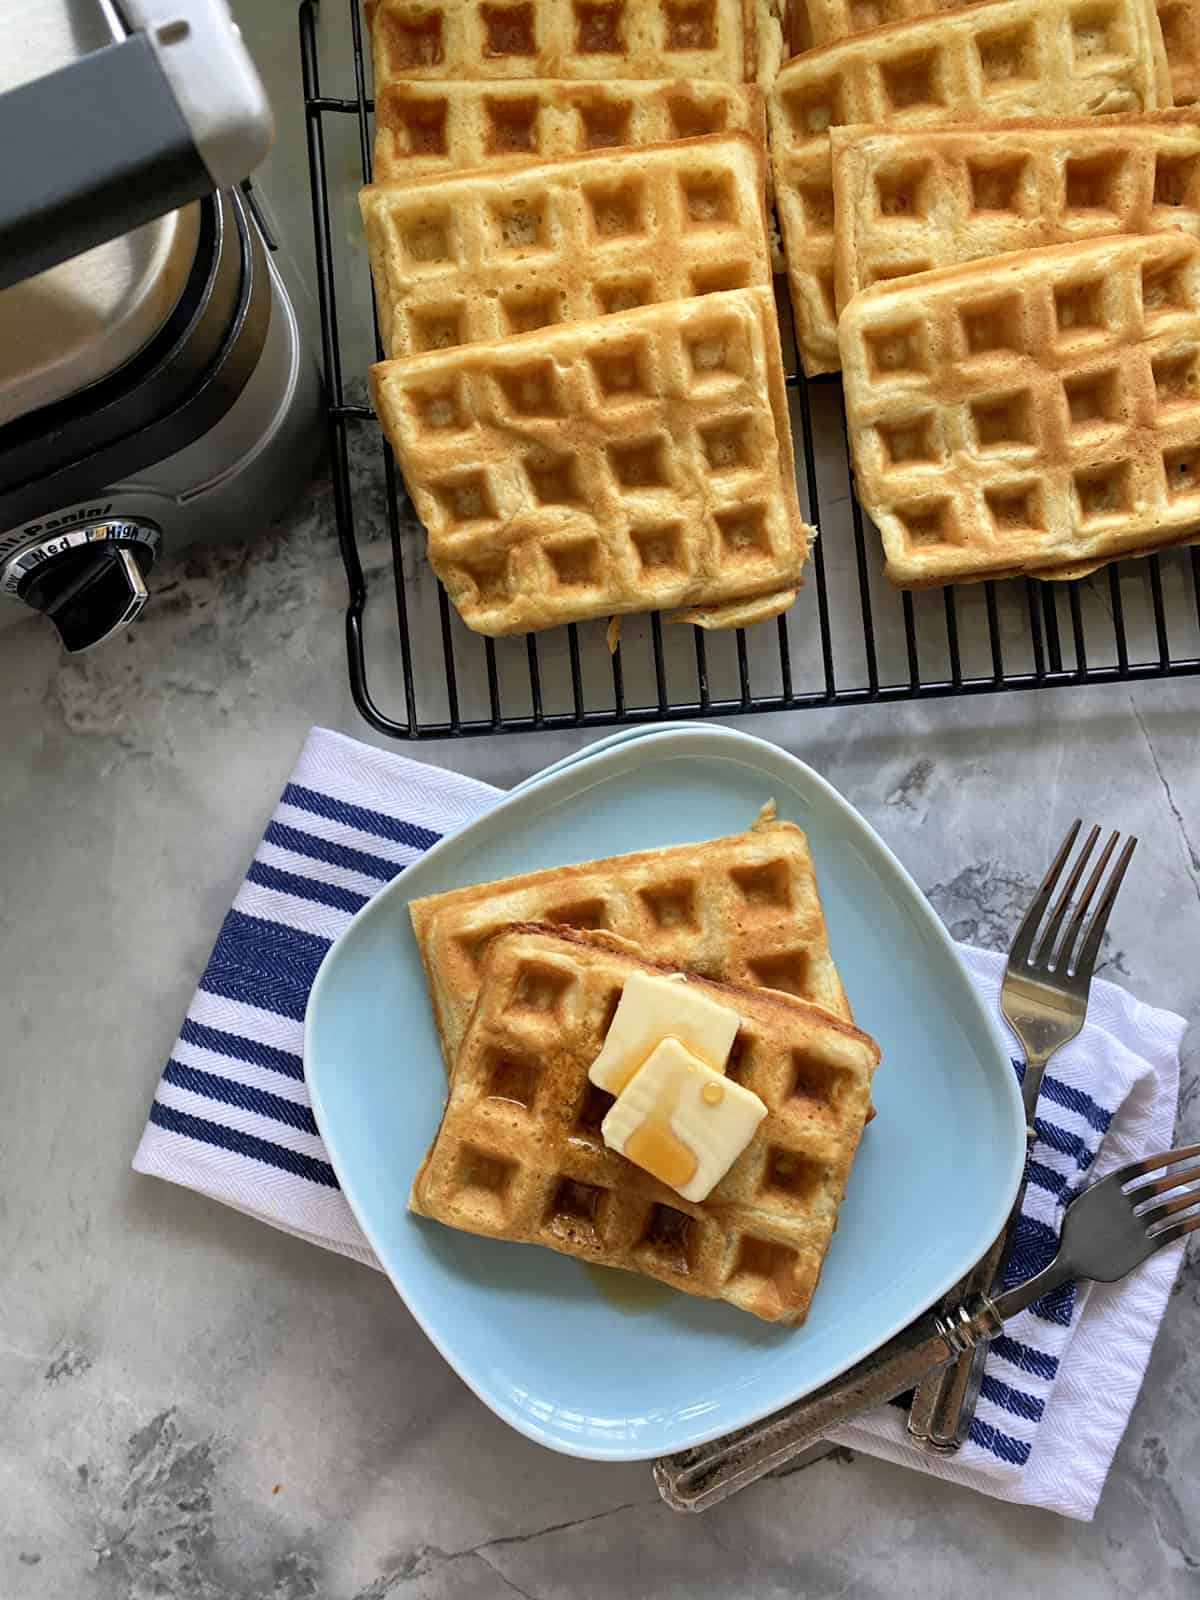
(90, 582)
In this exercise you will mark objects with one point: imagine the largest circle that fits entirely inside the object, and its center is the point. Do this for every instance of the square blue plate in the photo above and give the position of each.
(932, 1184)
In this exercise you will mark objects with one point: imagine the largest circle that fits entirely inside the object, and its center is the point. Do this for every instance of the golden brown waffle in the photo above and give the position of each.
(1180, 23)
(1034, 413)
(1003, 58)
(449, 39)
(906, 202)
(424, 128)
(631, 463)
(742, 909)
(475, 256)
(519, 1154)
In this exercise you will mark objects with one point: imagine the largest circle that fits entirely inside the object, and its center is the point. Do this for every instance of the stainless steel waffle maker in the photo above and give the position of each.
(155, 386)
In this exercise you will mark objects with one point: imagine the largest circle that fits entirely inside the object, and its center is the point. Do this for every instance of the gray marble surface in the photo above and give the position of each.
(194, 1405)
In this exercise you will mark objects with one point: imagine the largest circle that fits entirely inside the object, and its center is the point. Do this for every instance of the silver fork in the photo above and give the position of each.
(1107, 1231)
(1044, 996)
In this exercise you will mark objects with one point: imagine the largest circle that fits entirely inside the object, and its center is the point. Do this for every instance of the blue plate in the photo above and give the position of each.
(932, 1184)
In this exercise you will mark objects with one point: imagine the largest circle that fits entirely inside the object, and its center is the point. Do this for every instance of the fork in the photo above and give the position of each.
(1107, 1231)
(1044, 997)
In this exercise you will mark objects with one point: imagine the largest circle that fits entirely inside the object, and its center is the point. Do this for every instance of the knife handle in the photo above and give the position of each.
(695, 1479)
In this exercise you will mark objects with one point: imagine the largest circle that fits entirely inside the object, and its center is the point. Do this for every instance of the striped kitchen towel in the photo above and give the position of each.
(231, 1119)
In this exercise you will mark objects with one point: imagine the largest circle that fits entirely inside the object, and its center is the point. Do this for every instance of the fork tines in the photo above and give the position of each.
(1059, 956)
(1187, 1200)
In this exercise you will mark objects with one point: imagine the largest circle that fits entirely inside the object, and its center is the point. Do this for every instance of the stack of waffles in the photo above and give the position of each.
(990, 218)
(525, 977)
(567, 232)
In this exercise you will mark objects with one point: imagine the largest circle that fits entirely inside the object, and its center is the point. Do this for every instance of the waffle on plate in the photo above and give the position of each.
(519, 1155)
(1033, 413)
(474, 256)
(635, 462)
(743, 909)
(1002, 58)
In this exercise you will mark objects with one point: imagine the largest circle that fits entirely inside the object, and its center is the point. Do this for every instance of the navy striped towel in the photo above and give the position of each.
(231, 1119)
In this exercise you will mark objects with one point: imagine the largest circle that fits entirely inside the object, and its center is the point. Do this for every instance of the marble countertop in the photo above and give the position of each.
(199, 1407)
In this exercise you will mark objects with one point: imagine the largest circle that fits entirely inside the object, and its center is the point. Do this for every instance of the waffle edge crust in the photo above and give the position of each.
(519, 1156)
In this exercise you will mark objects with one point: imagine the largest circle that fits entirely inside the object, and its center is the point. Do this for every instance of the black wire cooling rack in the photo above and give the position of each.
(417, 672)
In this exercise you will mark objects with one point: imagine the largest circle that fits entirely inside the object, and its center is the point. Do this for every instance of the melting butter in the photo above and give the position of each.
(654, 1144)
(667, 1121)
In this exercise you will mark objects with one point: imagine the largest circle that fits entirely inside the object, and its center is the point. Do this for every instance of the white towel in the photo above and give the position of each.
(231, 1119)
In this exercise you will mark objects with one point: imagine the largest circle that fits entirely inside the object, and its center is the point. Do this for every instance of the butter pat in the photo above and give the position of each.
(652, 1009)
(682, 1122)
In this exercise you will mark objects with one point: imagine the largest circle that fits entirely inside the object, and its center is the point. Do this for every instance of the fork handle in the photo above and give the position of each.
(702, 1477)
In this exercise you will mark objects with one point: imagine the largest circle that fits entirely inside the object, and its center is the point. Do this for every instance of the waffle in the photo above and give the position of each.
(1002, 58)
(742, 909)
(591, 39)
(1036, 413)
(475, 256)
(906, 202)
(637, 461)
(519, 1154)
(425, 128)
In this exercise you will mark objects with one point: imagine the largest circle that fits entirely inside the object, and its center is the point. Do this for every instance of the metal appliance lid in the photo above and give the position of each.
(180, 386)
(78, 322)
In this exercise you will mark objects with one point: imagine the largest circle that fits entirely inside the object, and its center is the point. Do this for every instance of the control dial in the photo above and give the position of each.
(90, 581)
